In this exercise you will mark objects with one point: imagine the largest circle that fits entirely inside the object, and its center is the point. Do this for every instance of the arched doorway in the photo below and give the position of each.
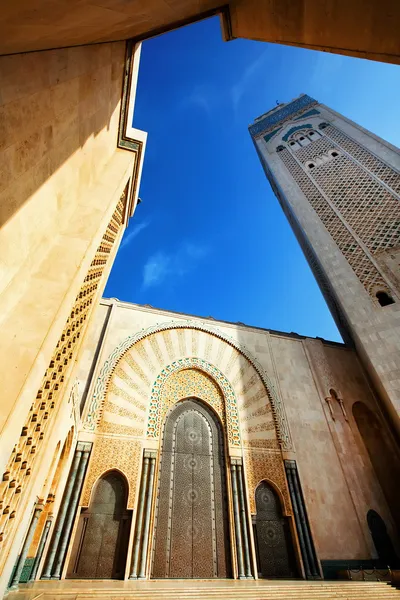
(382, 454)
(191, 531)
(274, 548)
(383, 543)
(101, 540)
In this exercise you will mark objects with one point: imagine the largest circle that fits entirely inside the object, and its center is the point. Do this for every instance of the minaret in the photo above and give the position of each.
(339, 186)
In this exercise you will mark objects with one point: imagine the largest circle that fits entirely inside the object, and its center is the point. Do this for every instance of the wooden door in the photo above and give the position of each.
(101, 541)
(191, 535)
(273, 540)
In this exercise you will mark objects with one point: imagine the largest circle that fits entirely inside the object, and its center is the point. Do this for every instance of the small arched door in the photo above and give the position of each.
(383, 544)
(101, 541)
(191, 532)
(274, 546)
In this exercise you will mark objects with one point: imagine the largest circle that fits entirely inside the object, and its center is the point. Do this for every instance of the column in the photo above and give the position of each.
(303, 528)
(62, 549)
(139, 519)
(42, 543)
(61, 515)
(236, 512)
(146, 528)
(245, 529)
(25, 547)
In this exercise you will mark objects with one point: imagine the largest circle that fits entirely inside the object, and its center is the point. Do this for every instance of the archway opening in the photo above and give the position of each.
(382, 542)
(384, 299)
(101, 542)
(382, 454)
(273, 540)
(191, 529)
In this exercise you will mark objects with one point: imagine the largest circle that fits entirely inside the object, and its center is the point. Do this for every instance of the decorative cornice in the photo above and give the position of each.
(110, 364)
(294, 129)
(123, 140)
(125, 130)
(281, 114)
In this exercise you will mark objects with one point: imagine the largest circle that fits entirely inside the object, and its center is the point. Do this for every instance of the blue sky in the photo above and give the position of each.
(209, 237)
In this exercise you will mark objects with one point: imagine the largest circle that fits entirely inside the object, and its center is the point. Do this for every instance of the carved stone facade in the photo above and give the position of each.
(110, 453)
(264, 465)
(279, 400)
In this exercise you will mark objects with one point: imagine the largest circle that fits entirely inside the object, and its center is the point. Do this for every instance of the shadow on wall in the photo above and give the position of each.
(381, 453)
(59, 113)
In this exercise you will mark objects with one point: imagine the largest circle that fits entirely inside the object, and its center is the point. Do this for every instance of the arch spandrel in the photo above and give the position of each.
(173, 340)
(266, 466)
(187, 383)
(194, 377)
(112, 453)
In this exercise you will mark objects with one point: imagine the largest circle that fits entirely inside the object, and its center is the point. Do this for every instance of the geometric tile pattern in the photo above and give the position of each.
(191, 383)
(168, 388)
(352, 190)
(264, 465)
(113, 453)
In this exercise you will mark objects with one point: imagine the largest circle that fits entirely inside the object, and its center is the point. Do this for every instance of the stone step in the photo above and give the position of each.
(206, 590)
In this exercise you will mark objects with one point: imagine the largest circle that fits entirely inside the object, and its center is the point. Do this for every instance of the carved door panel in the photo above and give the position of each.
(273, 543)
(101, 541)
(191, 535)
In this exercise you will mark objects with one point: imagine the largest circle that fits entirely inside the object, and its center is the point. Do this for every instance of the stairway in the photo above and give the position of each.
(204, 590)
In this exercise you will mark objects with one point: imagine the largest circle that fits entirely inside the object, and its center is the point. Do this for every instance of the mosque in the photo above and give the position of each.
(141, 446)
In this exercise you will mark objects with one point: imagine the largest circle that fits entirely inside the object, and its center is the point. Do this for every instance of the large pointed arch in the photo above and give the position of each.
(232, 421)
(94, 411)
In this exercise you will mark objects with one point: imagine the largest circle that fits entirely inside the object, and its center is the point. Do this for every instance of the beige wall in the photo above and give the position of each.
(61, 176)
(339, 482)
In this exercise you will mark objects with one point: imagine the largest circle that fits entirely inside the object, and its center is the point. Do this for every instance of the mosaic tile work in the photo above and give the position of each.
(158, 395)
(351, 190)
(112, 453)
(266, 465)
(189, 383)
(281, 114)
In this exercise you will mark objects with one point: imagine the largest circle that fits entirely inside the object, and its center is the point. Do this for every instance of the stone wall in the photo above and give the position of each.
(64, 185)
(374, 328)
(61, 176)
(338, 479)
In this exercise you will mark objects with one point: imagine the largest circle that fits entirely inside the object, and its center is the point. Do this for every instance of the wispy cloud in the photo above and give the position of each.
(134, 232)
(242, 85)
(201, 97)
(161, 265)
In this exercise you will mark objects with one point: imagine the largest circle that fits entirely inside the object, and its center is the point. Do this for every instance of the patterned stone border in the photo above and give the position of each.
(232, 418)
(275, 117)
(97, 402)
